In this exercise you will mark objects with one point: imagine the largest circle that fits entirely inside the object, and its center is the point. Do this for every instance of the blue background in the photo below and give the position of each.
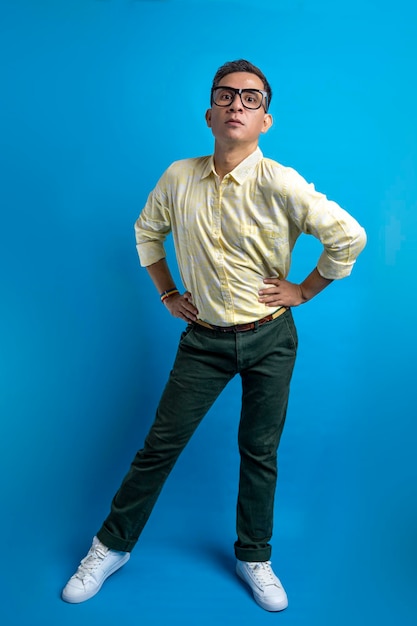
(98, 97)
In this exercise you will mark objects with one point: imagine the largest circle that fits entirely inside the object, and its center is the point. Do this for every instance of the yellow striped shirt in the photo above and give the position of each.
(231, 234)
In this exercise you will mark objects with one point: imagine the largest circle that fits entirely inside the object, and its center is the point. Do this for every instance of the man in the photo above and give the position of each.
(235, 217)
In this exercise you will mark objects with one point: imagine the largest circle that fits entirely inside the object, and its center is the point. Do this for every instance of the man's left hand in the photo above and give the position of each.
(281, 293)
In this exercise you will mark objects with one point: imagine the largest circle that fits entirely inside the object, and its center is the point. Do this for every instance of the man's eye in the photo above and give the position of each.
(251, 98)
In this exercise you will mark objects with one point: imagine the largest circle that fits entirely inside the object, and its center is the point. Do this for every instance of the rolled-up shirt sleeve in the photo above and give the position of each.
(341, 235)
(152, 227)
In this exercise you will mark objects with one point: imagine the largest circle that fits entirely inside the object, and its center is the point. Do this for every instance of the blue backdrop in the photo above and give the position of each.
(92, 112)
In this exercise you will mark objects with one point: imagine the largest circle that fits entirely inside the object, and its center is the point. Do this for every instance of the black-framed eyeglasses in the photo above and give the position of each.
(250, 98)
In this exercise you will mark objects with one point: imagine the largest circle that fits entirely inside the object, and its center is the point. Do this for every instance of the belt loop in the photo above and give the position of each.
(255, 327)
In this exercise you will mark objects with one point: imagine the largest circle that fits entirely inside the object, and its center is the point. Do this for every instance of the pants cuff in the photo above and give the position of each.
(252, 555)
(115, 543)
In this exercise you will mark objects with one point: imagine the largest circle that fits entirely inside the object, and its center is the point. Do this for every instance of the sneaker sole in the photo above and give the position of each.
(279, 606)
(66, 596)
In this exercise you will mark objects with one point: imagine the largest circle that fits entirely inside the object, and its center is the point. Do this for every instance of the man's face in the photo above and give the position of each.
(234, 123)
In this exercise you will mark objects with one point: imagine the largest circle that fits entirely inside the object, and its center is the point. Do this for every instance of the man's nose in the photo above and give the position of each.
(236, 105)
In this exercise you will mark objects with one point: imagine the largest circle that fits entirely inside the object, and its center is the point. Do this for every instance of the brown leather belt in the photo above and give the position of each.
(241, 328)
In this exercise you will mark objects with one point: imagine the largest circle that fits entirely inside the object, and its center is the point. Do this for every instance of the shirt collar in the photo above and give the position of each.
(241, 171)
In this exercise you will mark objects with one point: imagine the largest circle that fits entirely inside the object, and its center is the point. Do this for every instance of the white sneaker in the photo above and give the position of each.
(93, 570)
(266, 587)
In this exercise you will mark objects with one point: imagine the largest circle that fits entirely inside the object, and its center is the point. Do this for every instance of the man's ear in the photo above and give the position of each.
(268, 121)
(208, 117)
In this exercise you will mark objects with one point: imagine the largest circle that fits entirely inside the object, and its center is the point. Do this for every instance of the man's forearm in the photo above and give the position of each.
(161, 275)
(313, 284)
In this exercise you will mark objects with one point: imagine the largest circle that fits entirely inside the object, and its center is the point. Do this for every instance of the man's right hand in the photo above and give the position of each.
(182, 306)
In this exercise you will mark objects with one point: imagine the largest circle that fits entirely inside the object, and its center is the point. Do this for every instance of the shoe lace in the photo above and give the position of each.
(263, 573)
(91, 562)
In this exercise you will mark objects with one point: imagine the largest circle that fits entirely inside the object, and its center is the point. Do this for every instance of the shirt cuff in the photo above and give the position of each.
(331, 269)
(150, 252)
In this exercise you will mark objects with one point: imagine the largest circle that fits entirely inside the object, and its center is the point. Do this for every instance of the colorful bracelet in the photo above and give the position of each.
(169, 292)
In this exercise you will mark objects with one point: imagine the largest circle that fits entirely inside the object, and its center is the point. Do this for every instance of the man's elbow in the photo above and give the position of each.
(360, 241)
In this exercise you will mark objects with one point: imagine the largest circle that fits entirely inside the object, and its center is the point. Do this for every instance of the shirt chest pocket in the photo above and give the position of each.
(260, 231)
(259, 240)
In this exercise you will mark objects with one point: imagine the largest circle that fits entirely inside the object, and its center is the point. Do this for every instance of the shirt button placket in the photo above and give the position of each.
(227, 300)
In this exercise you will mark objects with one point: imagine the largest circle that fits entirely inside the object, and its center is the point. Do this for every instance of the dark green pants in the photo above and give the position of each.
(206, 361)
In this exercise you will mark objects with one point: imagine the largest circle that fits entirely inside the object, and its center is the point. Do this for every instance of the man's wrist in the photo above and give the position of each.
(168, 293)
(303, 295)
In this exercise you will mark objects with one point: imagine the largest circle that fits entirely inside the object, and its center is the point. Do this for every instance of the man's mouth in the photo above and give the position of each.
(234, 122)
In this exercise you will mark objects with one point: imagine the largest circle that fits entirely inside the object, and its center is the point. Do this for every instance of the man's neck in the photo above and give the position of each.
(226, 159)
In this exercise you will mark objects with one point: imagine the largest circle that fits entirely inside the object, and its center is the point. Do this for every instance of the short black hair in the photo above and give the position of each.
(241, 65)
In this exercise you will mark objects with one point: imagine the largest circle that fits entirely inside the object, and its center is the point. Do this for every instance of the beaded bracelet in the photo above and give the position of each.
(169, 292)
